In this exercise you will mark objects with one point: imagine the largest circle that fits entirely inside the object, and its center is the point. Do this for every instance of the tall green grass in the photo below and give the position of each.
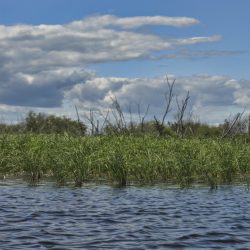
(125, 160)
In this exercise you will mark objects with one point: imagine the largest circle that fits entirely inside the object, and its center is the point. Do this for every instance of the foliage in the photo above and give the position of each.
(125, 159)
(45, 124)
(40, 123)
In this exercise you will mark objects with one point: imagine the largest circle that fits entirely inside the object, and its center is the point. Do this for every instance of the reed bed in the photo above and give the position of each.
(125, 160)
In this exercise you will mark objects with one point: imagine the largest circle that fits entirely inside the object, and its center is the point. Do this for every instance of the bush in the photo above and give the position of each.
(48, 124)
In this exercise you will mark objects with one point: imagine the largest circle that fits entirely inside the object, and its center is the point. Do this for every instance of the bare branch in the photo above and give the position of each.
(78, 117)
(93, 122)
(168, 97)
(181, 112)
(118, 113)
(105, 119)
(233, 125)
(159, 127)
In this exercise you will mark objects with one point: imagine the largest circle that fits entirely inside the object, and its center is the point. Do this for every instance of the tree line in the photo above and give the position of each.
(39, 123)
(115, 122)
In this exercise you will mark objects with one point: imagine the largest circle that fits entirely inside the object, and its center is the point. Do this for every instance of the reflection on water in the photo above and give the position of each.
(103, 217)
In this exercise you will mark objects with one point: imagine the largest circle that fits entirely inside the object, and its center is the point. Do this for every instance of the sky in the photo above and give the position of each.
(55, 54)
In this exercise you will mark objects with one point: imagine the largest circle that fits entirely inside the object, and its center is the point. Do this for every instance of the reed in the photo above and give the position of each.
(125, 160)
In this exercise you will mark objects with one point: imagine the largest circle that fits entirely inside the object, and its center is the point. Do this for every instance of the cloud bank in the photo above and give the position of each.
(39, 63)
(211, 96)
(46, 66)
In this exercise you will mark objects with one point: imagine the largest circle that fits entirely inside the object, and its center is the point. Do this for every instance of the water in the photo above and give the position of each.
(103, 217)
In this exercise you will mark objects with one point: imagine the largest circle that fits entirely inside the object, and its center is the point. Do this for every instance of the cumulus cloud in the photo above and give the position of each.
(211, 96)
(45, 66)
(40, 63)
(207, 89)
(90, 40)
(242, 93)
(41, 89)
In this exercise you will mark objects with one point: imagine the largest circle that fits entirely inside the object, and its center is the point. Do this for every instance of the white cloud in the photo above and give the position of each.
(242, 93)
(41, 89)
(90, 40)
(133, 22)
(45, 66)
(213, 98)
(242, 97)
(195, 40)
(39, 63)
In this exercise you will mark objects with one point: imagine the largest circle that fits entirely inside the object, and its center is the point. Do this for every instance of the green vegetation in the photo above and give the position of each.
(181, 151)
(45, 124)
(125, 160)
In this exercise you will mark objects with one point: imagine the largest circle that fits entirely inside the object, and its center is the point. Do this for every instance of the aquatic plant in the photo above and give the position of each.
(125, 159)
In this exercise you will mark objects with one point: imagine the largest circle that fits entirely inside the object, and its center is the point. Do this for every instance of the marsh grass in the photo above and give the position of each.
(125, 160)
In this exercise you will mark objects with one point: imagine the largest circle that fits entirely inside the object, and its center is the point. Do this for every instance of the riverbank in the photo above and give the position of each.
(125, 160)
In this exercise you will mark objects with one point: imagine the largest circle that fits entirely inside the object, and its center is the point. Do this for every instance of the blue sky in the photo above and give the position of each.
(219, 58)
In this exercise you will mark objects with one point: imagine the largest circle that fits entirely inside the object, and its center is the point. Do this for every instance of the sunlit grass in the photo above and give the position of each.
(125, 160)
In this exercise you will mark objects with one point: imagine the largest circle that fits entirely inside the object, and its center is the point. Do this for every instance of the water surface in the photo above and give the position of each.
(104, 217)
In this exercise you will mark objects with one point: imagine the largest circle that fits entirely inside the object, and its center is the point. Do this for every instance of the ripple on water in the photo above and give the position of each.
(102, 217)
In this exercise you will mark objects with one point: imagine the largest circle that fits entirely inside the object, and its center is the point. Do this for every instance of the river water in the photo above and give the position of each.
(104, 217)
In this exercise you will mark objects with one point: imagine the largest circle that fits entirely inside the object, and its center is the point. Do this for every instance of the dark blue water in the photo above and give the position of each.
(103, 217)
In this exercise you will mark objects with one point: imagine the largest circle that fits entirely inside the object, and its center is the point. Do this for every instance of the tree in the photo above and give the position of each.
(48, 124)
